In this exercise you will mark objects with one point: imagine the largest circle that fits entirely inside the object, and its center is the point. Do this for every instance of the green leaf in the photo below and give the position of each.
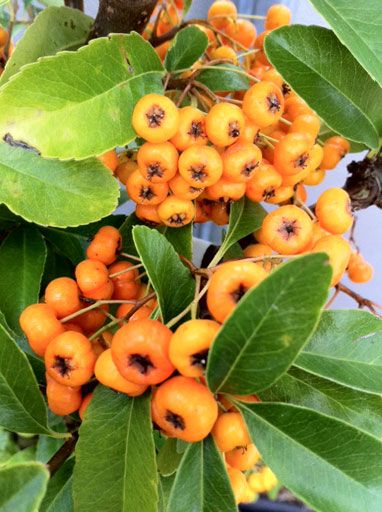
(201, 483)
(171, 280)
(245, 218)
(186, 6)
(362, 410)
(169, 458)
(164, 488)
(187, 47)
(56, 265)
(126, 231)
(118, 472)
(22, 258)
(332, 466)
(97, 95)
(269, 327)
(7, 218)
(54, 193)
(58, 496)
(327, 76)
(180, 239)
(224, 77)
(22, 487)
(25, 455)
(358, 29)
(22, 407)
(346, 348)
(53, 30)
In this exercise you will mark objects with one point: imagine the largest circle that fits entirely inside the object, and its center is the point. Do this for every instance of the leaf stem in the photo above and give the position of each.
(95, 305)
(130, 256)
(183, 313)
(124, 271)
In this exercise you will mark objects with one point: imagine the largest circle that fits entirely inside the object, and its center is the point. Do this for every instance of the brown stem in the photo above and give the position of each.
(122, 16)
(62, 454)
(362, 301)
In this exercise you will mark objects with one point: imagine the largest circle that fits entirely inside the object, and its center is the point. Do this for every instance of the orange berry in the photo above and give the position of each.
(281, 195)
(200, 166)
(242, 31)
(155, 118)
(249, 132)
(107, 373)
(224, 52)
(230, 431)
(109, 160)
(288, 230)
(40, 325)
(292, 154)
(333, 210)
(219, 213)
(228, 284)
(143, 192)
(308, 124)
(258, 250)
(63, 295)
(295, 106)
(84, 405)
(243, 458)
(148, 214)
(140, 351)
(93, 279)
(334, 149)
(92, 320)
(238, 483)
(183, 190)
(341, 142)
(4, 37)
(62, 400)
(225, 190)
(69, 359)
(175, 212)
(221, 12)
(271, 75)
(240, 161)
(203, 211)
(263, 103)
(277, 16)
(126, 286)
(224, 124)
(189, 346)
(359, 270)
(168, 18)
(184, 408)
(141, 313)
(264, 182)
(104, 245)
(191, 129)
(157, 163)
(339, 252)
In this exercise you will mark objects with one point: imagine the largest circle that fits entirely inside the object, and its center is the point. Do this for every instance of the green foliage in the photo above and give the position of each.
(169, 458)
(180, 239)
(362, 410)
(96, 97)
(55, 29)
(331, 465)
(171, 280)
(358, 29)
(269, 327)
(22, 407)
(346, 348)
(54, 193)
(201, 483)
(224, 77)
(22, 256)
(58, 496)
(22, 487)
(245, 218)
(327, 76)
(115, 457)
(187, 47)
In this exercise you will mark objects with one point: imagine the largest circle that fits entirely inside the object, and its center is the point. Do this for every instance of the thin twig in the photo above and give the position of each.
(362, 301)
(183, 313)
(130, 256)
(124, 271)
(62, 454)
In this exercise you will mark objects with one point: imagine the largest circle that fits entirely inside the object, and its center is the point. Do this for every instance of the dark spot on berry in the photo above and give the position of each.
(62, 365)
(154, 170)
(234, 129)
(146, 193)
(248, 168)
(196, 130)
(198, 173)
(268, 193)
(273, 103)
(195, 190)
(177, 219)
(288, 228)
(155, 116)
(301, 161)
(199, 359)
(285, 89)
(142, 363)
(239, 293)
(175, 420)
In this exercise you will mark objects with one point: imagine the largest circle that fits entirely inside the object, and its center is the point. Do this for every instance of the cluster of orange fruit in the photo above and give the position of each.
(4, 38)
